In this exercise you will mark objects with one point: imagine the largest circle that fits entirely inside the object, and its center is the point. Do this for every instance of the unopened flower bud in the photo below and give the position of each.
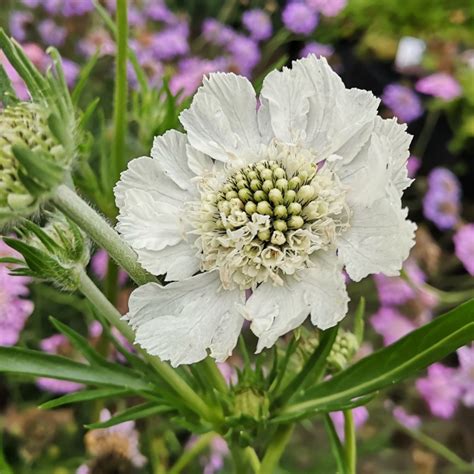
(295, 222)
(294, 208)
(266, 174)
(281, 184)
(278, 238)
(280, 225)
(264, 235)
(245, 194)
(280, 211)
(264, 207)
(267, 185)
(259, 196)
(275, 196)
(250, 208)
(290, 196)
(305, 193)
(294, 183)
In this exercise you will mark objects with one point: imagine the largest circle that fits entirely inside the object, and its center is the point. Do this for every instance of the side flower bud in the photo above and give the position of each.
(33, 161)
(343, 350)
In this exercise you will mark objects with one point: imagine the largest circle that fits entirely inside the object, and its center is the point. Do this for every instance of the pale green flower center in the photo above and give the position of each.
(265, 222)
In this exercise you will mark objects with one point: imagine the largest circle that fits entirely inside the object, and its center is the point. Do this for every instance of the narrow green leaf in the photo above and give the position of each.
(359, 323)
(140, 411)
(401, 360)
(84, 76)
(36, 363)
(7, 93)
(85, 396)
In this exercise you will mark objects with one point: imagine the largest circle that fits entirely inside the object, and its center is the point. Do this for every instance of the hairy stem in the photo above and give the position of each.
(276, 448)
(67, 201)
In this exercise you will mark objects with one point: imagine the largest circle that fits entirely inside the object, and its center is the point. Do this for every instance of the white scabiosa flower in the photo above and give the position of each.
(271, 197)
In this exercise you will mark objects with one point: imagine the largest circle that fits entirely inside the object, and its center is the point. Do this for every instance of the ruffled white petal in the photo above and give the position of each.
(181, 321)
(285, 106)
(319, 291)
(152, 219)
(222, 119)
(339, 120)
(378, 240)
(170, 151)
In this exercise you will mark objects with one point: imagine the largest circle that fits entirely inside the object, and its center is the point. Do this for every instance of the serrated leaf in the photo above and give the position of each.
(401, 360)
(36, 363)
(86, 396)
(140, 411)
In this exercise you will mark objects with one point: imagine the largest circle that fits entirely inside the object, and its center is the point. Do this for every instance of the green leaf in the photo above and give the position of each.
(36, 363)
(140, 411)
(7, 93)
(401, 360)
(85, 396)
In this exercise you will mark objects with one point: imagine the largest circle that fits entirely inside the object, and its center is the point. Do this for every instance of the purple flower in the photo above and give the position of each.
(136, 17)
(391, 324)
(403, 102)
(327, 7)
(31, 3)
(71, 71)
(170, 43)
(56, 344)
(464, 246)
(215, 461)
(413, 165)
(77, 7)
(97, 40)
(465, 375)
(156, 10)
(99, 264)
(245, 54)
(360, 414)
(216, 32)
(412, 422)
(258, 23)
(53, 7)
(190, 73)
(393, 290)
(228, 372)
(51, 33)
(440, 390)
(441, 85)
(14, 308)
(19, 22)
(318, 49)
(442, 202)
(299, 18)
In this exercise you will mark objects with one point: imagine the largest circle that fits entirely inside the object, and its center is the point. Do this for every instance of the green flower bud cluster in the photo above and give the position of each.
(343, 350)
(57, 252)
(31, 159)
(267, 189)
(251, 404)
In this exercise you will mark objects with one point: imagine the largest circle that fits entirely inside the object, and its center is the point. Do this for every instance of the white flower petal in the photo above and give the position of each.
(285, 105)
(149, 224)
(378, 240)
(180, 321)
(170, 151)
(222, 119)
(319, 291)
(177, 262)
(339, 120)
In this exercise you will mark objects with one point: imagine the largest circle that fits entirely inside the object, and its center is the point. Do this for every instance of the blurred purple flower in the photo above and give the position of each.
(51, 33)
(14, 308)
(360, 414)
(412, 422)
(442, 202)
(71, 71)
(327, 7)
(156, 10)
(440, 390)
(228, 372)
(393, 290)
(413, 165)
(97, 40)
(318, 49)
(299, 18)
(77, 7)
(19, 22)
(464, 246)
(170, 43)
(216, 32)
(53, 7)
(191, 71)
(391, 324)
(403, 102)
(245, 54)
(99, 264)
(441, 85)
(258, 23)
(465, 375)
(31, 3)
(215, 462)
(136, 17)
(56, 344)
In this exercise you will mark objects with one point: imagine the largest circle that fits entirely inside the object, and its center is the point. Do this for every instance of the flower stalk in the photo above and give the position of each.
(68, 202)
(350, 442)
(276, 448)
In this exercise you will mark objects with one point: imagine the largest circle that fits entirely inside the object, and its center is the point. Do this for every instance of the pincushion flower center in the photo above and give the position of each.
(265, 221)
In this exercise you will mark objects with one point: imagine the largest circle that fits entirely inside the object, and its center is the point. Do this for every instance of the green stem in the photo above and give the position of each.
(425, 135)
(196, 449)
(108, 310)
(239, 459)
(314, 366)
(111, 282)
(439, 449)
(336, 446)
(214, 375)
(67, 201)
(252, 459)
(276, 449)
(121, 90)
(350, 442)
